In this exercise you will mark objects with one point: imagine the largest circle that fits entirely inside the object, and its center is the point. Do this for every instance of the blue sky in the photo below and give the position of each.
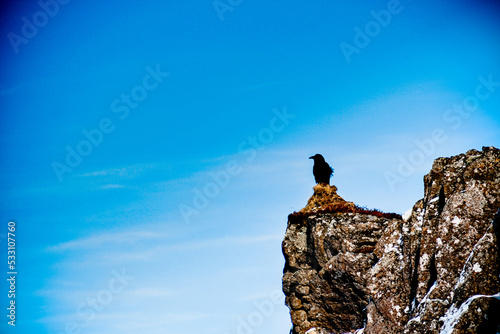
(190, 126)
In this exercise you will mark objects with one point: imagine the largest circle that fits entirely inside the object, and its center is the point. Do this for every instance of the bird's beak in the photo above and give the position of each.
(311, 157)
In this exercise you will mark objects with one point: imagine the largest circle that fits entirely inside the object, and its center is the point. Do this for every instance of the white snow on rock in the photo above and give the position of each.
(434, 199)
(407, 214)
(416, 319)
(452, 316)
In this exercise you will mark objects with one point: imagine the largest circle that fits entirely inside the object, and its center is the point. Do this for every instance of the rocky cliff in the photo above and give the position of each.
(351, 270)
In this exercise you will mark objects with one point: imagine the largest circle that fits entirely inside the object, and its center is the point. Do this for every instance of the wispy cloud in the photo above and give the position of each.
(106, 238)
(112, 186)
(128, 171)
(157, 251)
(158, 318)
(151, 321)
(223, 242)
(144, 246)
(125, 321)
(150, 292)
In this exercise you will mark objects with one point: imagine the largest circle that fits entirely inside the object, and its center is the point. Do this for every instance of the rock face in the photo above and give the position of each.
(437, 271)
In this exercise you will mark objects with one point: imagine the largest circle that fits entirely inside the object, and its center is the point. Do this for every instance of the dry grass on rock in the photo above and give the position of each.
(326, 200)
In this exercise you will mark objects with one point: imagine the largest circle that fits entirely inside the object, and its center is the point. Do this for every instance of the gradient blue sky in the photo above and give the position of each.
(380, 118)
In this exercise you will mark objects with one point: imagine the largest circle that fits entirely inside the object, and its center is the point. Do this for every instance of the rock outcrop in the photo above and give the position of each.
(436, 271)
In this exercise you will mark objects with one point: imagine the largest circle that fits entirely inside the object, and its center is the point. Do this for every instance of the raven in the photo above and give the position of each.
(321, 170)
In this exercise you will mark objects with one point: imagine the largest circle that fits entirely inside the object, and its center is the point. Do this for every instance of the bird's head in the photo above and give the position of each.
(317, 158)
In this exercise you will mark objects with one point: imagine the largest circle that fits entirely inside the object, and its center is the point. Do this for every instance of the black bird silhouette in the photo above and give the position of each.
(321, 170)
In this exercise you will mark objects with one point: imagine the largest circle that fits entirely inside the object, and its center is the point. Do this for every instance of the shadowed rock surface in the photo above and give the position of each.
(435, 272)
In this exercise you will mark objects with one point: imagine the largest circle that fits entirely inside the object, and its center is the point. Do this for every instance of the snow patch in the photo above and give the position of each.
(463, 274)
(452, 316)
(434, 199)
(426, 297)
(390, 248)
(416, 319)
(407, 215)
(406, 229)
(456, 221)
(420, 220)
(424, 259)
(393, 247)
